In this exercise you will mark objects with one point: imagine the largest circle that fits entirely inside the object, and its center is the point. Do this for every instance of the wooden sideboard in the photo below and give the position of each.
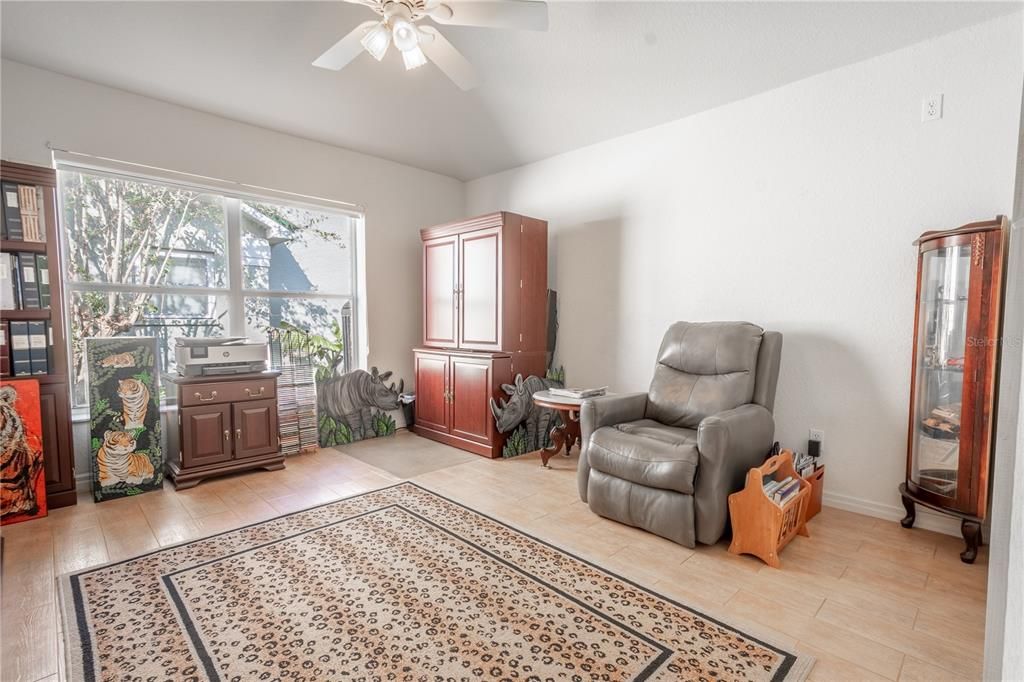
(223, 424)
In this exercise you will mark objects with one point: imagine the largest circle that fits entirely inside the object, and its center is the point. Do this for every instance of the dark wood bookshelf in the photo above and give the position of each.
(55, 394)
(12, 245)
(27, 314)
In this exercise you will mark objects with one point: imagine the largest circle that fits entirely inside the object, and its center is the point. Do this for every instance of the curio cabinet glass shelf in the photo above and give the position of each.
(953, 381)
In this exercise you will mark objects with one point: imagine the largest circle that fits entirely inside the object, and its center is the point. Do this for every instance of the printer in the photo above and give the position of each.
(219, 355)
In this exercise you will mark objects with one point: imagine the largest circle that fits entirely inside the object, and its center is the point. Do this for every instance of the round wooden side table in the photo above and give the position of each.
(565, 434)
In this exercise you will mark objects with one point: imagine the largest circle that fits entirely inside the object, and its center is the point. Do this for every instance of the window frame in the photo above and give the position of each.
(234, 293)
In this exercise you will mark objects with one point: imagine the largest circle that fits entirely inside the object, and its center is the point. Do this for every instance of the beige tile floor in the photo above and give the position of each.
(869, 599)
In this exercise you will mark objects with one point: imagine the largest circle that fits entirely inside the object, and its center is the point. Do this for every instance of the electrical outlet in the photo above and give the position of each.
(816, 434)
(931, 107)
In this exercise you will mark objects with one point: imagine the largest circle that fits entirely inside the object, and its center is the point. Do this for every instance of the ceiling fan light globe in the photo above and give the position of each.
(404, 34)
(413, 58)
(376, 41)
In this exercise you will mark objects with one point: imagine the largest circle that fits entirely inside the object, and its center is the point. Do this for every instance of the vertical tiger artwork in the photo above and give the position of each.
(23, 495)
(124, 407)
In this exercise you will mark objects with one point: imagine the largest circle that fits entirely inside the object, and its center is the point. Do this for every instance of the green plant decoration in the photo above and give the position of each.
(328, 354)
(516, 444)
(383, 424)
(333, 432)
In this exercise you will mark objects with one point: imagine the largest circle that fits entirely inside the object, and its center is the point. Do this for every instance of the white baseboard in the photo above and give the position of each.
(926, 518)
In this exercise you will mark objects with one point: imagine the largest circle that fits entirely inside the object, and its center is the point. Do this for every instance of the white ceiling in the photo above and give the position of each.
(602, 70)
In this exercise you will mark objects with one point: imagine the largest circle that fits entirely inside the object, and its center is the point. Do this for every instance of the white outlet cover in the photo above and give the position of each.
(816, 434)
(931, 107)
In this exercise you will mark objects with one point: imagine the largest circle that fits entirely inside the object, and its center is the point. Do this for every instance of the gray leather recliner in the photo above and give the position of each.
(667, 460)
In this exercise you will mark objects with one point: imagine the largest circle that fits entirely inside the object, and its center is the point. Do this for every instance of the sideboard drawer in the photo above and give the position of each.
(227, 392)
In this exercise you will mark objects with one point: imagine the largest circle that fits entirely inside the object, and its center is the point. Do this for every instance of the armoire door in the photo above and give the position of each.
(470, 399)
(205, 435)
(440, 284)
(432, 391)
(479, 304)
(255, 424)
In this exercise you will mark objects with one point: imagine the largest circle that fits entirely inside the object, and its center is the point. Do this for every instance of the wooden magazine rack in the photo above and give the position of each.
(759, 525)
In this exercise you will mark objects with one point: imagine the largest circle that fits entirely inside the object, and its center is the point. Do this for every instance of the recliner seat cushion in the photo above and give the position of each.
(647, 453)
(703, 369)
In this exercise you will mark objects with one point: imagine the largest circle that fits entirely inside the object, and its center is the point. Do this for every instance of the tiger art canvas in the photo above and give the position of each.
(124, 406)
(23, 495)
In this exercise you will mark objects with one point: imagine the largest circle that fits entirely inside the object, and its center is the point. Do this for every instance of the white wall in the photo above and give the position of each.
(794, 209)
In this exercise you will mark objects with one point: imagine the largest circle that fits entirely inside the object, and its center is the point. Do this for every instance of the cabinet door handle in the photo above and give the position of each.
(227, 435)
(200, 398)
(248, 391)
(238, 434)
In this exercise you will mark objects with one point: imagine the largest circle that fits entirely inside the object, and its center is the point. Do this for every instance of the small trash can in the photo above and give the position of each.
(408, 401)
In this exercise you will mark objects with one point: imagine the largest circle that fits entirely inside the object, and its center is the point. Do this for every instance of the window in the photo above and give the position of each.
(149, 259)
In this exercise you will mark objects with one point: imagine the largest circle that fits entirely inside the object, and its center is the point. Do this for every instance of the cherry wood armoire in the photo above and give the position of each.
(485, 283)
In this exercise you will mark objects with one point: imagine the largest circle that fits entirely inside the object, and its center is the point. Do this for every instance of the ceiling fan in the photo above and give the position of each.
(400, 24)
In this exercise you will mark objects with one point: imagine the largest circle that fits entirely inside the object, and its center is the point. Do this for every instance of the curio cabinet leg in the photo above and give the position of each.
(971, 531)
(908, 520)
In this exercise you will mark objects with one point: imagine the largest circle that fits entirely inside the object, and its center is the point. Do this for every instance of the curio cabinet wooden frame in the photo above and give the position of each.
(957, 326)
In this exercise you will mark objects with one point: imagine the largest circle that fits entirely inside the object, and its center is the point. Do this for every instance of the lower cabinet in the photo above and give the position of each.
(201, 439)
(255, 425)
(58, 455)
(224, 424)
(453, 392)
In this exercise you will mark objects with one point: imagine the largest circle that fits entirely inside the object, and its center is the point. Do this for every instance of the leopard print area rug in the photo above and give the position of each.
(395, 584)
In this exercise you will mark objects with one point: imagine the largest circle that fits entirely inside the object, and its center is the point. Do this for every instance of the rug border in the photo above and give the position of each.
(799, 669)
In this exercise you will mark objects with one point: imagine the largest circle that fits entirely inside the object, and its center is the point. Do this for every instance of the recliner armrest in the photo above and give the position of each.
(606, 410)
(730, 444)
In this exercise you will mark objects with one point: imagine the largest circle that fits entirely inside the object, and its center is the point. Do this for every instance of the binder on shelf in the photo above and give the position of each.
(5, 351)
(21, 361)
(50, 365)
(12, 211)
(29, 201)
(43, 275)
(8, 280)
(38, 347)
(27, 280)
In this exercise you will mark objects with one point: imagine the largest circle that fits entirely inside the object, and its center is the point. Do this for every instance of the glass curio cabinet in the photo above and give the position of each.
(953, 382)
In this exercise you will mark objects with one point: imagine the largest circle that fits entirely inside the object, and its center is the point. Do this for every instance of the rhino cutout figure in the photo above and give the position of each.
(351, 398)
(519, 408)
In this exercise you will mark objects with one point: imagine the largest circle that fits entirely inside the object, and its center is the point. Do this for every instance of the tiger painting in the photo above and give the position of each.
(124, 416)
(135, 400)
(119, 360)
(118, 462)
(19, 466)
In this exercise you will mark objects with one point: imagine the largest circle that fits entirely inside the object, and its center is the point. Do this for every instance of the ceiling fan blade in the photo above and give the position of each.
(345, 50)
(531, 15)
(448, 59)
